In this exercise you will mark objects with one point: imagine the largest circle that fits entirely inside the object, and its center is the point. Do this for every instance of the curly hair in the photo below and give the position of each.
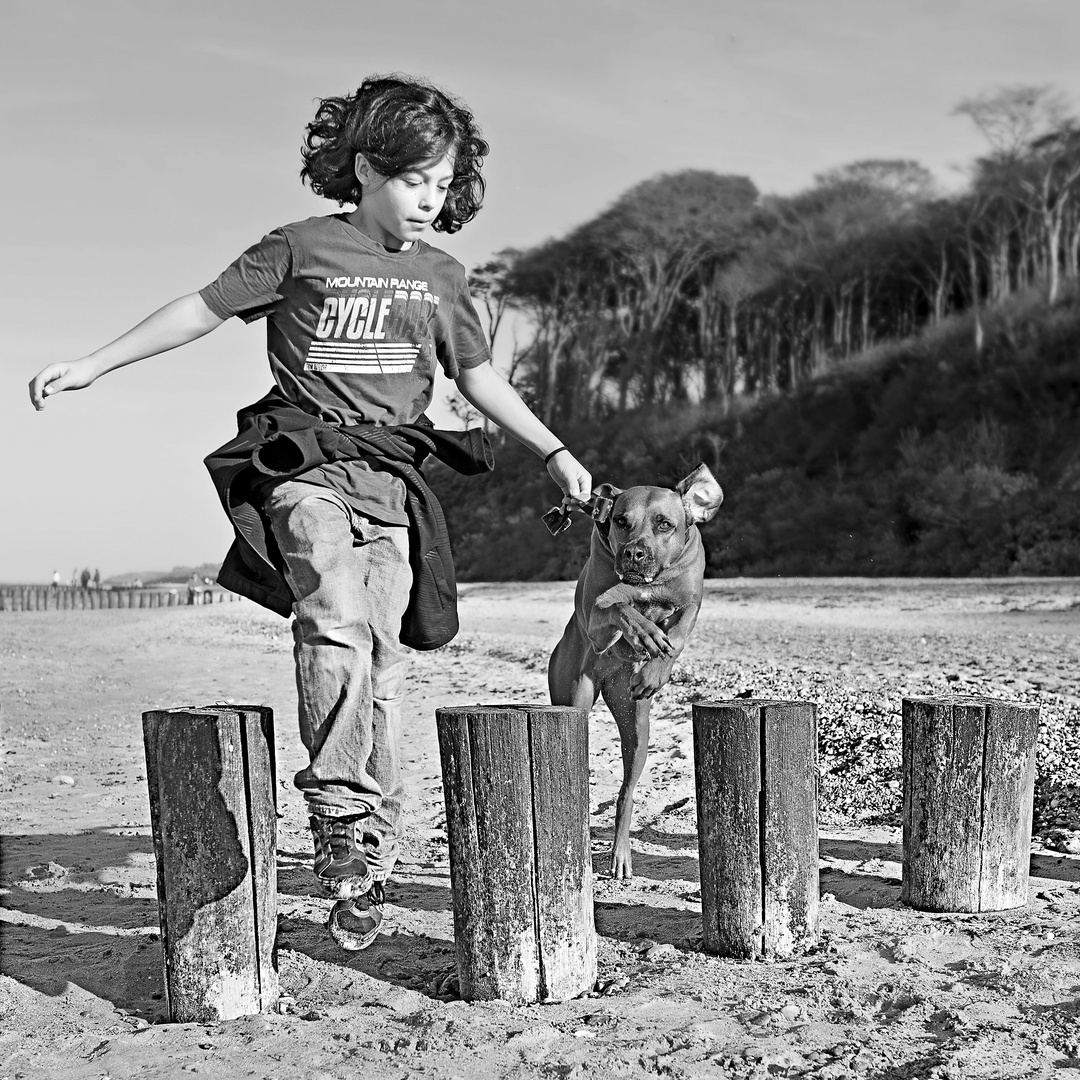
(398, 123)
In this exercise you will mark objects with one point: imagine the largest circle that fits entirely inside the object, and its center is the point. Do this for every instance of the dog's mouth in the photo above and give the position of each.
(635, 577)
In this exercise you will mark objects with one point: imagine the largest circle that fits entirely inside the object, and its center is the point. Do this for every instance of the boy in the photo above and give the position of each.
(320, 481)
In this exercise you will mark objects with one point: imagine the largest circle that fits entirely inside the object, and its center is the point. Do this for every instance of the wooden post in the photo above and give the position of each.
(211, 775)
(757, 781)
(969, 782)
(516, 782)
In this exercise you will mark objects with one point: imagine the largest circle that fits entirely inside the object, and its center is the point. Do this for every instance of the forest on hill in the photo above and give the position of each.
(885, 379)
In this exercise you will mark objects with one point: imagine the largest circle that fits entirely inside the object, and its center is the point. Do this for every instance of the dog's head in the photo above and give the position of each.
(648, 526)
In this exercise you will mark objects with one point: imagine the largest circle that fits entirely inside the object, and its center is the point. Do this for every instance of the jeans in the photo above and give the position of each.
(350, 578)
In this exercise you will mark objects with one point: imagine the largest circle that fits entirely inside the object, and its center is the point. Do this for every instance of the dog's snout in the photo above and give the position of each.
(636, 561)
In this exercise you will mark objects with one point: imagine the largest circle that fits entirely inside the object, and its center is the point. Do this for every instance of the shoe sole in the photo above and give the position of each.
(348, 888)
(349, 936)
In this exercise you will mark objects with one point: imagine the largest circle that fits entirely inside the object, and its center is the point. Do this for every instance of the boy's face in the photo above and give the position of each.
(396, 210)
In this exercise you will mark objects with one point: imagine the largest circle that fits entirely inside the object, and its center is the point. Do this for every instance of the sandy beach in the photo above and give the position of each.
(889, 993)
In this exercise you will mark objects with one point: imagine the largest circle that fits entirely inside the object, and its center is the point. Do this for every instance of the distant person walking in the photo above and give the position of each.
(56, 579)
(360, 313)
(85, 578)
(97, 579)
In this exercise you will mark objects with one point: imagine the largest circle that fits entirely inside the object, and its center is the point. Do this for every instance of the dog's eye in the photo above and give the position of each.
(622, 522)
(663, 525)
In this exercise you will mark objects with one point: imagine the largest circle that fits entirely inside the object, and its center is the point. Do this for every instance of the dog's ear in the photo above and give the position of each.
(701, 495)
(606, 491)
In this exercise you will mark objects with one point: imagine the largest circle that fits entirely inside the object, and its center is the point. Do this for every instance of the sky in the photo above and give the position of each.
(146, 144)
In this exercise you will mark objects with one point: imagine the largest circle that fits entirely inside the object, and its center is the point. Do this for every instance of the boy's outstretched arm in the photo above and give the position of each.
(177, 323)
(489, 392)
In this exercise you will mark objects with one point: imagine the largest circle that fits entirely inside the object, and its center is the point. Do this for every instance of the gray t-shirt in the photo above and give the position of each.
(354, 333)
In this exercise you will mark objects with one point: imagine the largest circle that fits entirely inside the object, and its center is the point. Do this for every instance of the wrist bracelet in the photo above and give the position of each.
(557, 450)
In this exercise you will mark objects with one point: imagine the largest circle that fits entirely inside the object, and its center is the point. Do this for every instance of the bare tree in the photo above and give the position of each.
(487, 283)
(1035, 139)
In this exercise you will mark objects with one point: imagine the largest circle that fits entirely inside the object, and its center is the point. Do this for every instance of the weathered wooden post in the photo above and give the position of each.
(757, 782)
(969, 782)
(211, 773)
(516, 782)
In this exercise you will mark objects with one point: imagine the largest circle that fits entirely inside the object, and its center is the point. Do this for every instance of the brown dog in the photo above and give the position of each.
(636, 603)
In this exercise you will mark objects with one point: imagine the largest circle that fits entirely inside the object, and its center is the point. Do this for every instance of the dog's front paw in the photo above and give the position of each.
(650, 678)
(643, 637)
(621, 864)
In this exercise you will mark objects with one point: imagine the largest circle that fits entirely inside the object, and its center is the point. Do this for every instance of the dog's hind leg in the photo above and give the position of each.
(632, 720)
(571, 671)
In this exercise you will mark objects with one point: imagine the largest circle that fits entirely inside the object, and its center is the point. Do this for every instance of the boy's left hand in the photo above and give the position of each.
(570, 475)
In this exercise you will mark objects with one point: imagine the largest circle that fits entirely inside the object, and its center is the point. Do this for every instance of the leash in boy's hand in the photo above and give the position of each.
(558, 519)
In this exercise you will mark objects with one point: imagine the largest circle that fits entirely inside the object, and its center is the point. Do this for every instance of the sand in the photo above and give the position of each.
(888, 993)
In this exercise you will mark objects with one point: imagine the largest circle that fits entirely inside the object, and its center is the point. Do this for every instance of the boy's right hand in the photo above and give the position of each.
(72, 375)
(570, 475)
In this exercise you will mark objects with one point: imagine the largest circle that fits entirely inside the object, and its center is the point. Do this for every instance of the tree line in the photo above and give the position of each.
(695, 287)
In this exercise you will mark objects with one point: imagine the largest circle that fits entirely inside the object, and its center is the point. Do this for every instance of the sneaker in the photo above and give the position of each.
(340, 867)
(354, 924)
